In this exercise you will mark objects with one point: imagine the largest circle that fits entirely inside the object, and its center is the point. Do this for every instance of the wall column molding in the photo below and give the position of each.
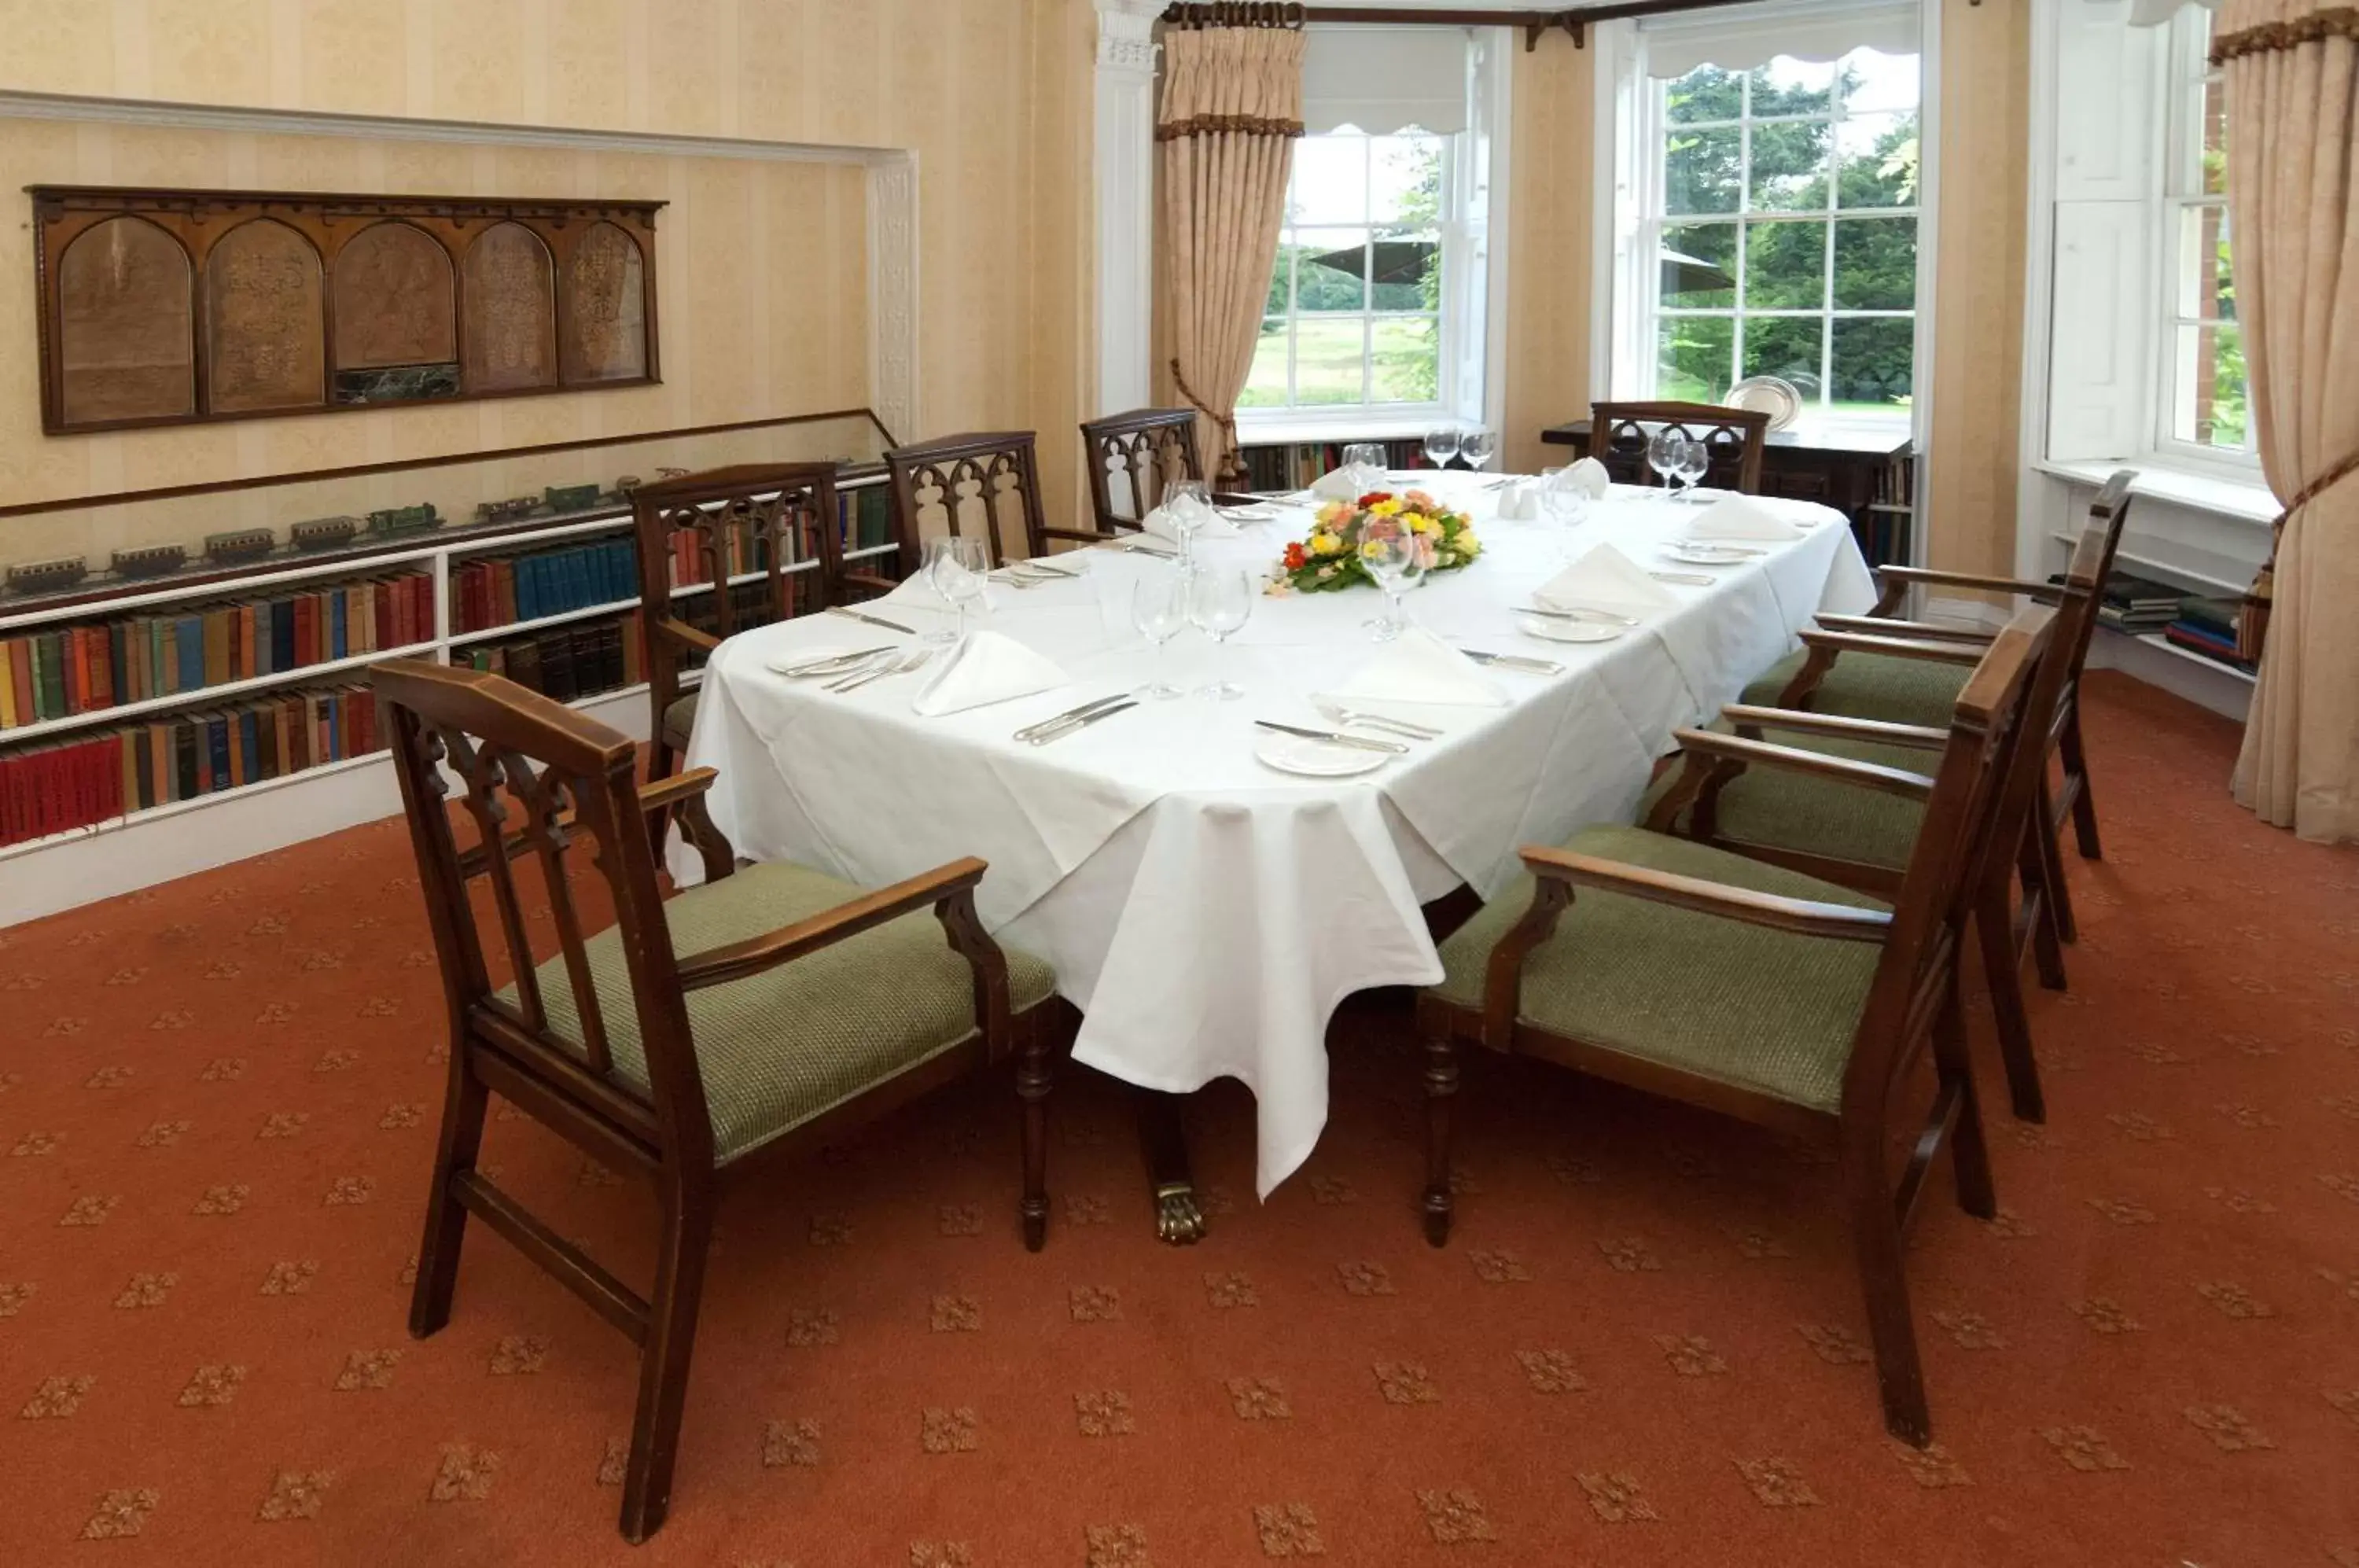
(1125, 201)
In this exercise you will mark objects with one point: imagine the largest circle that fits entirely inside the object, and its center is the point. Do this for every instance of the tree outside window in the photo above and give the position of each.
(2205, 395)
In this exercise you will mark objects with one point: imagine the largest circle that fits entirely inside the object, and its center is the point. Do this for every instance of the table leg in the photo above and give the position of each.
(1177, 1219)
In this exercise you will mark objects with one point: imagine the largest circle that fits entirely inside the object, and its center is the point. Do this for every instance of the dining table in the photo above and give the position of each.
(1205, 911)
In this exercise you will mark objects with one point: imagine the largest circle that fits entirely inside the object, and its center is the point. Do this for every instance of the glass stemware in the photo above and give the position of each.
(1188, 503)
(1396, 560)
(928, 574)
(1475, 445)
(956, 568)
(1562, 501)
(1663, 451)
(1442, 446)
(1158, 609)
(1366, 463)
(1694, 459)
(1219, 600)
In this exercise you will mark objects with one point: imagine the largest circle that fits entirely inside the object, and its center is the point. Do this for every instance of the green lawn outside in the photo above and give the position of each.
(1405, 363)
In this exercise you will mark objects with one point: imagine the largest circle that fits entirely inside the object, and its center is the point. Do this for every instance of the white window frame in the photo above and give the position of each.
(2186, 71)
(1473, 272)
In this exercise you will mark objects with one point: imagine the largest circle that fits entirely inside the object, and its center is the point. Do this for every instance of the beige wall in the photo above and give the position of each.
(1550, 232)
(993, 95)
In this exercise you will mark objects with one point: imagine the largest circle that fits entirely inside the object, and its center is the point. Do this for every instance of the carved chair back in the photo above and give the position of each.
(1133, 458)
(777, 521)
(1732, 440)
(980, 486)
(2108, 514)
(1918, 969)
(534, 779)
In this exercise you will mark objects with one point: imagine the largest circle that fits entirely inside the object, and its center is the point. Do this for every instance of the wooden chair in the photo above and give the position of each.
(770, 1008)
(1750, 989)
(1733, 439)
(777, 519)
(969, 484)
(1133, 458)
(1864, 839)
(1831, 675)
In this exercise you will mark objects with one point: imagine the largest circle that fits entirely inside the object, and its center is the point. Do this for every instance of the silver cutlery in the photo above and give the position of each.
(1045, 566)
(1578, 613)
(1054, 720)
(1728, 549)
(1334, 737)
(837, 680)
(1060, 731)
(872, 620)
(1350, 716)
(1514, 662)
(909, 661)
(833, 664)
(1692, 579)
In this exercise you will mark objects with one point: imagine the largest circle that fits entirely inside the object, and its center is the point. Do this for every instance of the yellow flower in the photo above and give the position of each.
(1424, 526)
(1466, 544)
(1387, 507)
(1373, 549)
(1333, 512)
(1325, 544)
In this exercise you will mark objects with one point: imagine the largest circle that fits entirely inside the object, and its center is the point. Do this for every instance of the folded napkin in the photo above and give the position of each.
(1336, 485)
(1418, 666)
(1604, 579)
(986, 668)
(1740, 517)
(1158, 523)
(1587, 477)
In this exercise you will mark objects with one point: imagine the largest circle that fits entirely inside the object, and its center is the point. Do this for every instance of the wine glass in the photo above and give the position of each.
(1561, 500)
(1695, 460)
(1442, 446)
(1475, 445)
(1188, 503)
(1365, 460)
(1219, 602)
(1664, 449)
(929, 574)
(1158, 608)
(1396, 559)
(957, 566)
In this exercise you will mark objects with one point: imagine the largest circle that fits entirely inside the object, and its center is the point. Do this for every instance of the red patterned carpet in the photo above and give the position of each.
(1644, 1346)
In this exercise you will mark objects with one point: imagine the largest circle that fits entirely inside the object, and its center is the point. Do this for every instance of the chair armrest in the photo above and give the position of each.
(1794, 760)
(682, 796)
(1803, 917)
(1922, 631)
(1894, 582)
(736, 960)
(1834, 726)
(869, 581)
(1891, 648)
(686, 636)
(1090, 535)
(664, 793)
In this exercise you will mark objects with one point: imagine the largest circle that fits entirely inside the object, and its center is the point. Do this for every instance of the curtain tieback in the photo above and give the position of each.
(1226, 422)
(2317, 487)
(2252, 625)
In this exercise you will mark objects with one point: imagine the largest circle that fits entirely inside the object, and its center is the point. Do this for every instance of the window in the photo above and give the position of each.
(1777, 232)
(1354, 318)
(2204, 407)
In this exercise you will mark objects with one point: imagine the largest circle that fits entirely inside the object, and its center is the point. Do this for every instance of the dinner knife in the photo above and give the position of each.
(1038, 565)
(1576, 614)
(872, 620)
(1515, 662)
(833, 664)
(1061, 730)
(1333, 737)
(1054, 720)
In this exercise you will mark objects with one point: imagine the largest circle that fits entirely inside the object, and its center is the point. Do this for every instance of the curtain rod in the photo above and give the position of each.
(1537, 25)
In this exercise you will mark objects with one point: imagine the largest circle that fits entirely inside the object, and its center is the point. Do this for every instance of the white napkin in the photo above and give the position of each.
(1336, 485)
(986, 668)
(1520, 502)
(1604, 579)
(1740, 517)
(1158, 523)
(1589, 476)
(1418, 666)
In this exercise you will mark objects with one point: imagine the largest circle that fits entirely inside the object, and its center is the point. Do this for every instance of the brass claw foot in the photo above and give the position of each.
(1179, 1222)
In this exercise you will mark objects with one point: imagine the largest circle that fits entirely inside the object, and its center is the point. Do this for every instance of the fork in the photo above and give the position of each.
(901, 665)
(1344, 717)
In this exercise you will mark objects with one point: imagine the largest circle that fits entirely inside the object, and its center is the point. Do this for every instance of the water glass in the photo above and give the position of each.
(1219, 602)
(1476, 446)
(1396, 561)
(1442, 446)
(1694, 459)
(1158, 609)
(1365, 462)
(935, 548)
(1188, 503)
(1561, 500)
(957, 567)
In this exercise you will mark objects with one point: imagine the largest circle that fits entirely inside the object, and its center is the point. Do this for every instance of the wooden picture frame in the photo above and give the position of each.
(180, 307)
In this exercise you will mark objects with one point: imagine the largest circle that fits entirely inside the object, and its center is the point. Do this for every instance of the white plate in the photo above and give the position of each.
(1317, 759)
(1711, 555)
(1553, 630)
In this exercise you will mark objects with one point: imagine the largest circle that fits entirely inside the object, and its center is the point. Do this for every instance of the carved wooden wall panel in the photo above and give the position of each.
(166, 306)
(125, 295)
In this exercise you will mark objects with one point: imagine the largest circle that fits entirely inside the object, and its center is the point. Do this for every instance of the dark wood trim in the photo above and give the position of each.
(1537, 24)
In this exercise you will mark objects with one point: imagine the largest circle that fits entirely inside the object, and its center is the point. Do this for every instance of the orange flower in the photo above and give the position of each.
(1295, 556)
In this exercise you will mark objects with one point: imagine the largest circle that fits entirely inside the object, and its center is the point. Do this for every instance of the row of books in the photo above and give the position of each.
(104, 664)
(84, 780)
(1294, 465)
(2134, 605)
(2207, 629)
(579, 660)
(498, 590)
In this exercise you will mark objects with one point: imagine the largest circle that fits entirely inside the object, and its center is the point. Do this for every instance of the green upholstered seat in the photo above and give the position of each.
(779, 1048)
(1816, 816)
(1871, 686)
(1760, 1009)
(679, 720)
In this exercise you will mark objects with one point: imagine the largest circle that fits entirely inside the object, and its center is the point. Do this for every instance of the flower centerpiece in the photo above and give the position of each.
(1331, 556)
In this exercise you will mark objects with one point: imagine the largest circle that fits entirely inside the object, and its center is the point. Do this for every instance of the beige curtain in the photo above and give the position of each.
(2292, 141)
(1232, 109)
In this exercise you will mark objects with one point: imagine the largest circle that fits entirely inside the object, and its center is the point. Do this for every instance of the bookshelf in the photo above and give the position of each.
(270, 750)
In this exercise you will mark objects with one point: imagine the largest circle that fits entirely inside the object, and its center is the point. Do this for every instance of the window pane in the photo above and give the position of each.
(1405, 180)
(1702, 171)
(1406, 360)
(1266, 385)
(1785, 265)
(1693, 355)
(1327, 360)
(1706, 92)
(1281, 278)
(1785, 346)
(1875, 363)
(1330, 180)
(2215, 137)
(1408, 273)
(1331, 272)
(1876, 264)
(1876, 161)
(2211, 403)
(1793, 87)
(1789, 164)
(1699, 263)
(1874, 82)
(2206, 288)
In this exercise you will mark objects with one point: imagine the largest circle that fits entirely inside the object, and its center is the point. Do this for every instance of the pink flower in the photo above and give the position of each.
(1426, 552)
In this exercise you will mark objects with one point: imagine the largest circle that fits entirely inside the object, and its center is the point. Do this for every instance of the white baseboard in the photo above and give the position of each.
(125, 855)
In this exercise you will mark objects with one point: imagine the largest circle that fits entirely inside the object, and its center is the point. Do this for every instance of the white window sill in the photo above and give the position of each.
(1280, 428)
(2245, 500)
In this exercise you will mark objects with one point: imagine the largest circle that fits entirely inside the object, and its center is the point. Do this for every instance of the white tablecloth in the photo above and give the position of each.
(1205, 912)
